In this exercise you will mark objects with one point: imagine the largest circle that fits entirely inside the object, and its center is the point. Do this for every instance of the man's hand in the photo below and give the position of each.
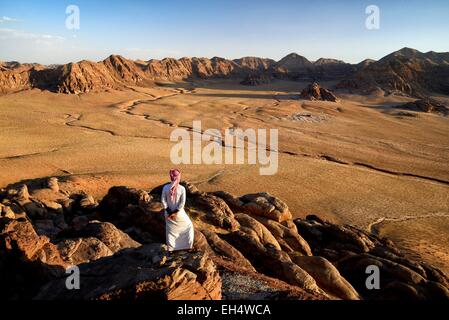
(172, 215)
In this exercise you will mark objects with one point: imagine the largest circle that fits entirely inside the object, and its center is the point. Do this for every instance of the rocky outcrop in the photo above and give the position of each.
(271, 261)
(84, 76)
(27, 260)
(315, 92)
(245, 247)
(257, 230)
(224, 250)
(144, 273)
(80, 250)
(287, 235)
(327, 277)
(260, 204)
(425, 105)
(352, 250)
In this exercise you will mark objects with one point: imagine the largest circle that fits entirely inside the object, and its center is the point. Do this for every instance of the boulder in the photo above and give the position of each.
(79, 222)
(315, 92)
(81, 250)
(107, 233)
(396, 280)
(215, 210)
(35, 210)
(23, 195)
(232, 201)
(18, 237)
(144, 273)
(352, 250)
(86, 201)
(327, 277)
(52, 183)
(7, 212)
(46, 227)
(118, 198)
(256, 229)
(265, 205)
(200, 243)
(241, 284)
(272, 262)
(328, 235)
(224, 250)
(287, 236)
(27, 260)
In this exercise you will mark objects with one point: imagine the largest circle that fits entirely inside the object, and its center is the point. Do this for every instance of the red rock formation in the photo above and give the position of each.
(315, 92)
(245, 248)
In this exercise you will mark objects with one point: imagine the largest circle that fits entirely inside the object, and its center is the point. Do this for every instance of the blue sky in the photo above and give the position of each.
(35, 31)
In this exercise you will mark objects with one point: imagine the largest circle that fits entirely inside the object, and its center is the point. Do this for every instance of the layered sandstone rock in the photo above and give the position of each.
(352, 250)
(144, 273)
(245, 247)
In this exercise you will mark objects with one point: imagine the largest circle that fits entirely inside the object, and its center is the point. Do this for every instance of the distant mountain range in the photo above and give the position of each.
(406, 71)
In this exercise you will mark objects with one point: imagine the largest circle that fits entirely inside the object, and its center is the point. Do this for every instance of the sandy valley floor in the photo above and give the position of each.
(357, 161)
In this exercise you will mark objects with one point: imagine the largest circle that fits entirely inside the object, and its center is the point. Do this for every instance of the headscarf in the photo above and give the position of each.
(175, 177)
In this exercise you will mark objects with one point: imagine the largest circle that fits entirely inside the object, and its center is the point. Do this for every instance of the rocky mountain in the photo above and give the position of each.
(327, 61)
(116, 72)
(246, 247)
(407, 71)
(365, 63)
(293, 63)
(255, 63)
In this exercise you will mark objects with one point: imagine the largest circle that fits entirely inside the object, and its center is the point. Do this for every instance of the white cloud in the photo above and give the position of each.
(13, 34)
(8, 19)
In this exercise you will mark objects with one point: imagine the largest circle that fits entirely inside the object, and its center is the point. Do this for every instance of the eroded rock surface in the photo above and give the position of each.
(245, 247)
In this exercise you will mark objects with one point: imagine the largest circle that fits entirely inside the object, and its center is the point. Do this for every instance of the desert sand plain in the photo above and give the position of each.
(357, 161)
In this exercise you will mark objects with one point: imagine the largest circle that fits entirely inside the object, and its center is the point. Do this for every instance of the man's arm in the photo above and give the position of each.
(164, 200)
(182, 202)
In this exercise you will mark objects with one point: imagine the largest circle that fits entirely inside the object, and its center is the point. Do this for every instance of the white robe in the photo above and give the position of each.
(179, 231)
